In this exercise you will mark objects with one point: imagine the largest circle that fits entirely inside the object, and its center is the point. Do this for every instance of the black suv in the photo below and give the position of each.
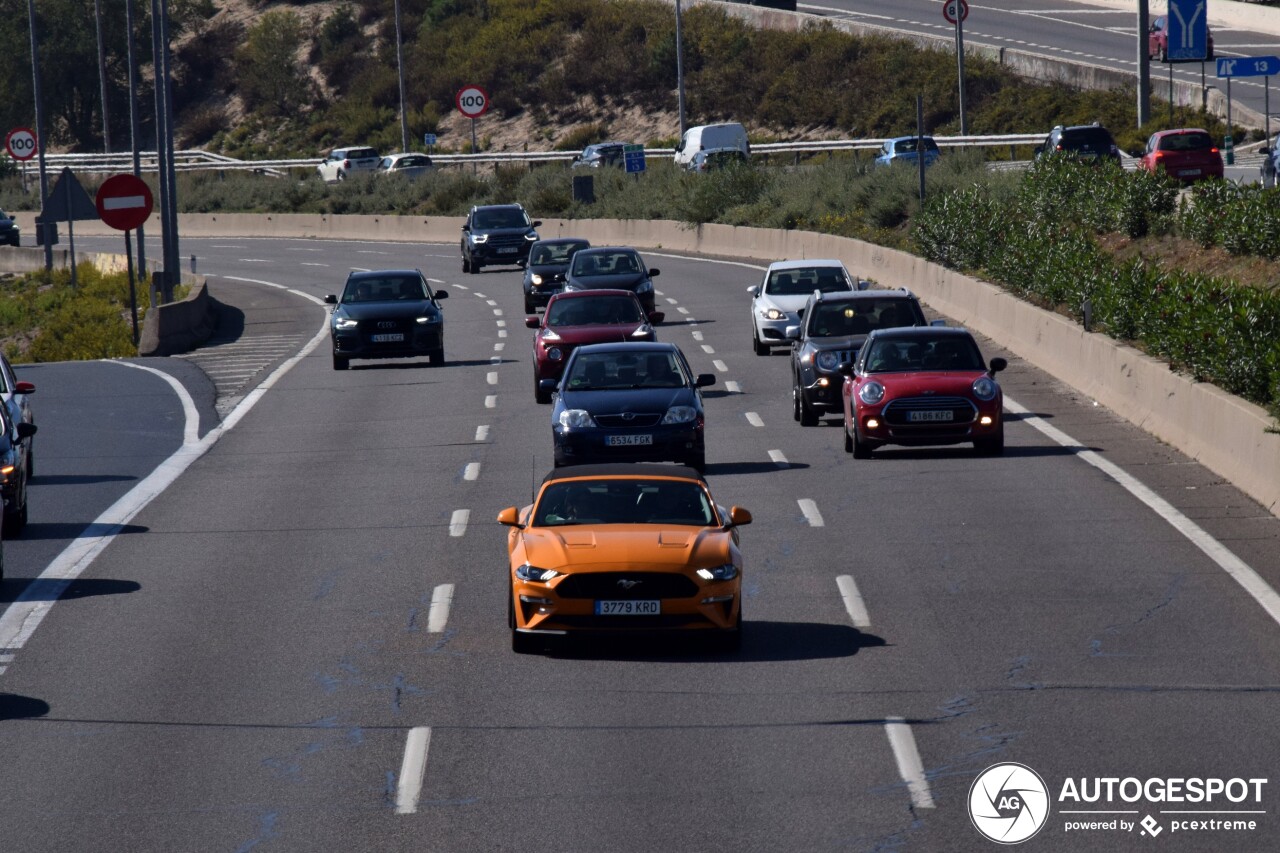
(497, 234)
(834, 328)
(1089, 143)
(9, 232)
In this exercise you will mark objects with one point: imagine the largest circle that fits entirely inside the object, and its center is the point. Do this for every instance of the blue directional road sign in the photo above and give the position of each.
(1188, 31)
(1249, 66)
(633, 158)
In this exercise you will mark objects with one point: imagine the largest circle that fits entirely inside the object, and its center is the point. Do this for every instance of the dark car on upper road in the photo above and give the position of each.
(922, 386)
(9, 231)
(386, 314)
(1088, 143)
(600, 154)
(613, 268)
(544, 273)
(629, 402)
(832, 331)
(577, 319)
(1186, 154)
(497, 234)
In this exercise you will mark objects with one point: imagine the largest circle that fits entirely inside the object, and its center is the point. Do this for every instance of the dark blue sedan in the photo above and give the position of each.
(635, 402)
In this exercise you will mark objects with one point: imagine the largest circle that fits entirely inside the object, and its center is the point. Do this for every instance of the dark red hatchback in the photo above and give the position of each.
(577, 318)
(1186, 154)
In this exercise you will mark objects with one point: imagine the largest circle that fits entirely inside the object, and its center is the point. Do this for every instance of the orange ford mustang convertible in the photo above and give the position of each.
(624, 548)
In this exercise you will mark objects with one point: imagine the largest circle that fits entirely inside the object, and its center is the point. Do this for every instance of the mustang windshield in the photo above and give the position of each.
(624, 502)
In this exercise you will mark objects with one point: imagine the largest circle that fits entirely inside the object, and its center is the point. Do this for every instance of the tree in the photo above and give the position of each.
(271, 76)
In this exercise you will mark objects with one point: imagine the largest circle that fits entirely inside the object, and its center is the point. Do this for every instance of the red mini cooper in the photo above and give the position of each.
(584, 317)
(919, 386)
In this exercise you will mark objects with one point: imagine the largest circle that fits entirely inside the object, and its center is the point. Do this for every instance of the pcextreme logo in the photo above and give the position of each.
(1008, 803)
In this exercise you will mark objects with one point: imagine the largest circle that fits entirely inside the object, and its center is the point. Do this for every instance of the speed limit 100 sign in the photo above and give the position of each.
(20, 143)
(473, 101)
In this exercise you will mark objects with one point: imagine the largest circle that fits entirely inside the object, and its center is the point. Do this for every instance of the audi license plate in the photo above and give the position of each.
(929, 417)
(627, 440)
(506, 250)
(388, 339)
(628, 608)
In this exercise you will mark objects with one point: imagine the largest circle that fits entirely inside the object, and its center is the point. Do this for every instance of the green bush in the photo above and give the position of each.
(47, 319)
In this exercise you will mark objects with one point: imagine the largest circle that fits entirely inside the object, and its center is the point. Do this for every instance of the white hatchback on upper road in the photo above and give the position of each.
(779, 300)
(343, 161)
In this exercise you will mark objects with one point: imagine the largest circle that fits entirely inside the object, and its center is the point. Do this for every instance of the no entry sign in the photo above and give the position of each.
(124, 202)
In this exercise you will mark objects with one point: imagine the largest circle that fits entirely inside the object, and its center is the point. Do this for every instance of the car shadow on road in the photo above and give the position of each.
(723, 468)
(54, 590)
(80, 479)
(423, 363)
(44, 530)
(15, 707)
(1029, 451)
(761, 641)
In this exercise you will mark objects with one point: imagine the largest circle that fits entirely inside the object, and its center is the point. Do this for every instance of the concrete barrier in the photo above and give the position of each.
(179, 326)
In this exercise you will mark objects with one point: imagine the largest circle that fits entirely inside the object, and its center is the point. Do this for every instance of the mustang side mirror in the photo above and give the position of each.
(330, 299)
(531, 322)
(442, 294)
(739, 516)
(705, 379)
(998, 364)
(510, 517)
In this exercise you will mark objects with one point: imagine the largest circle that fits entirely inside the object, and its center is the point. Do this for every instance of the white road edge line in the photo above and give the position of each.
(458, 523)
(853, 602)
(438, 615)
(1240, 571)
(413, 769)
(910, 768)
(810, 510)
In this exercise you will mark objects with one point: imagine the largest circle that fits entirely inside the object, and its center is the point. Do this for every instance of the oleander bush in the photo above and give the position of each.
(44, 318)
(1244, 219)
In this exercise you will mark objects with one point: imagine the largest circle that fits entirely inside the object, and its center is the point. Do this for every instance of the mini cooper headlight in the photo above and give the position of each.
(727, 572)
(772, 314)
(680, 415)
(533, 573)
(576, 419)
(549, 335)
(871, 393)
(535, 280)
(344, 323)
(555, 354)
(984, 388)
(828, 360)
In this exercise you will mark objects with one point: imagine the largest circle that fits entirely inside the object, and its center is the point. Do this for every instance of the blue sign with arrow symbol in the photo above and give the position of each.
(1249, 66)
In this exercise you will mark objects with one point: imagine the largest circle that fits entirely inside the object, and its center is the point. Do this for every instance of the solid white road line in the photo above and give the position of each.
(482, 432)
(754, 419)
(1240, 571)
(810, 510)
(491, 402)
(471, 473)
(458, 523)
(413, 769)
(438, 614)
(733, 387)
(910, 768)
(779, 459)
(491, 377)
(721, 366)
(853, 602)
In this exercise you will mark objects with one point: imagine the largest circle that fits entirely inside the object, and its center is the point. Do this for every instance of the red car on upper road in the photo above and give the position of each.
(584, 317)
(922, 385)
(1158, 40)
(1186, 154)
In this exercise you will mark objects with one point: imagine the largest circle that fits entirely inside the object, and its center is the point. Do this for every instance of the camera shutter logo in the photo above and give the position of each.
(1008, 803)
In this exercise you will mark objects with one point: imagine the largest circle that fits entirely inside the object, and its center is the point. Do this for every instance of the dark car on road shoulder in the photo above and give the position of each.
(497, 234)
(578, 319)
(833, 329)
(1087, 143)
(629, 402)
(544, 274)
(386, 314)
(922, 386)
(613, 268)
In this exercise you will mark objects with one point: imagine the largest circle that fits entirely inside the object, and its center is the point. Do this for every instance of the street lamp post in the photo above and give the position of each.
(47, 229)
(680, 68)
(404, 118)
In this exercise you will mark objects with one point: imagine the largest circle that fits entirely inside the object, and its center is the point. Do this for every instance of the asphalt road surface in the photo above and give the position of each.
(296, 637)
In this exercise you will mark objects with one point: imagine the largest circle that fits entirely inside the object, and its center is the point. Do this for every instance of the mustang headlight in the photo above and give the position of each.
(871, 393)
(479, 238)
(680, 415)
(645, 286)
(344, 323)
(535, 280)
(772, 314)
(727, 572)
(533, 573)
(828, 360)
(984, 388)
(576, 419)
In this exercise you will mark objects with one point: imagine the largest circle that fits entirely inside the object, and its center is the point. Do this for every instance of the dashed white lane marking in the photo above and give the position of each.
(492, 302)
(754, 419)
(502, 333)
(810, 510)
(361, 269)
(438, 614)
(683, 310)
(481, 295)
(733, 387)
(721, 366)
(671, 301)
(910, 768)
(482, 432)
(497, 312)
(502, 324)
(471, 471)
(491, 377)
(495, 359)
(491, 402)
(697, 336)
(779, 459)
(1240, 571)
(708, 350)
(458, 523)
(312, 264)
(413, 769)
(656, 292)
(853, 603)
(459, 286)
(499, 347)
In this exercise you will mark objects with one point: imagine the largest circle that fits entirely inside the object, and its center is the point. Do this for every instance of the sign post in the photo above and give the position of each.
(955, 11)
(124, 202)
(473, 102)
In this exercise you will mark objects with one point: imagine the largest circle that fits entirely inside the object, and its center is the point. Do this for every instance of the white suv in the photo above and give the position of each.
(341, 161)
(779, 300)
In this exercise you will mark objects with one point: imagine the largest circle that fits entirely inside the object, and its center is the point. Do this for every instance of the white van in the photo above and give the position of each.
(706, 136)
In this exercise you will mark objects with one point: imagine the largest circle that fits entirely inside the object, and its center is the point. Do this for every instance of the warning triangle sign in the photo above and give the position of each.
(67, 201)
